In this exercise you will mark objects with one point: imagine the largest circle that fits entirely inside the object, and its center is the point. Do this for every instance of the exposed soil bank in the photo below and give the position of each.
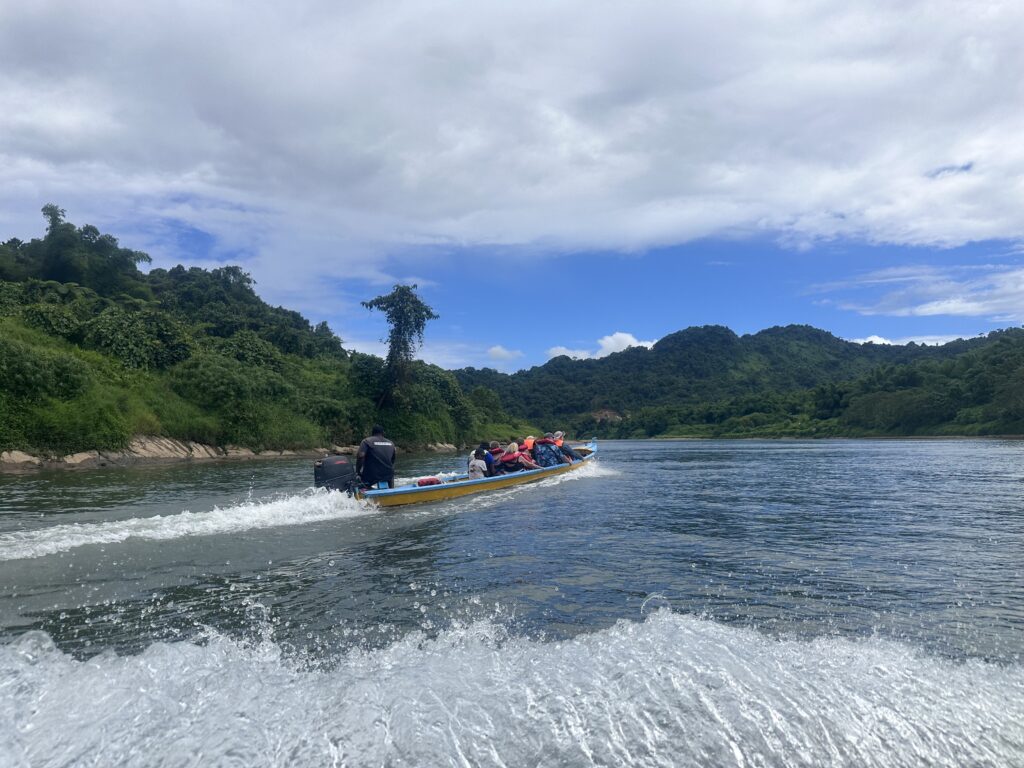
(150, 449)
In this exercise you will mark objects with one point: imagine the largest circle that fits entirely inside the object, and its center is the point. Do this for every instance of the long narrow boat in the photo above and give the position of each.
(461, 485)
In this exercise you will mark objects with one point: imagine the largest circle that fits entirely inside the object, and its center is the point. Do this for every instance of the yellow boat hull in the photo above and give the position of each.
(396, 497)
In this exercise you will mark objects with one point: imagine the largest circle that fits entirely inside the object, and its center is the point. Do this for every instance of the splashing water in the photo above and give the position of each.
(859, 604)
(293, 510)
(302, 509)
(672, 690)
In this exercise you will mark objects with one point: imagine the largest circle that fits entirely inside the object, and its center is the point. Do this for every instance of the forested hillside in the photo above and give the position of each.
(93, 351)
(792, 381)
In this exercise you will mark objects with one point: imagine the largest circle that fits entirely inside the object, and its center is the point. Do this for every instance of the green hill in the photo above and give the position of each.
(94, 351)
(784, 381)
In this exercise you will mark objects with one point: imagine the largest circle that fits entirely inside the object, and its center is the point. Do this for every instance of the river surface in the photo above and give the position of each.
(748, 603)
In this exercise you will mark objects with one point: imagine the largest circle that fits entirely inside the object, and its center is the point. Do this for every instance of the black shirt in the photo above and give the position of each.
(375, 460)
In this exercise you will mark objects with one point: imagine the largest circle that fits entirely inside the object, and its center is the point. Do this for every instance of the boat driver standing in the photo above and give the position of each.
(375, 460)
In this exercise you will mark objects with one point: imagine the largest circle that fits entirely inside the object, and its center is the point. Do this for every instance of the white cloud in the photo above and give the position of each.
(619, 341)
(606, 345)
(995, 292)
(366, 346)
(873, 340)
(321, 139)
(498, 352)
(446, 353)
(449, 354)
(578, 354)
(929, 340)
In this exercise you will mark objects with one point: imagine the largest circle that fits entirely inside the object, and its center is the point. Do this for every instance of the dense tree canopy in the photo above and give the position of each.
(93, 350)
(70, 254)
(794, 380)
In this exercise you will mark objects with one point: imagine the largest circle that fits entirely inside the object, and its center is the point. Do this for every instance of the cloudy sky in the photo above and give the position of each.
(558, 177)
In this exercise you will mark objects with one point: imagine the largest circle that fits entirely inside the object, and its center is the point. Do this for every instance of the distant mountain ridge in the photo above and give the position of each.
(793, 379)
(698, 363)
(94, 352)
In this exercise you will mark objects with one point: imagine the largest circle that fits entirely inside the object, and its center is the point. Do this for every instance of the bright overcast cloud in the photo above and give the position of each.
(606, 345)
(343, 139)
(996, 291)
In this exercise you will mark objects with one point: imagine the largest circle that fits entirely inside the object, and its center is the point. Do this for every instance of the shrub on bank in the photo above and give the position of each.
(32, 373)
(92, 421)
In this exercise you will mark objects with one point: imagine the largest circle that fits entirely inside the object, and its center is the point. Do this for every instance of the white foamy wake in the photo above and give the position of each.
(311, 507)
(293, 510)
(673, 690)
(591, 469)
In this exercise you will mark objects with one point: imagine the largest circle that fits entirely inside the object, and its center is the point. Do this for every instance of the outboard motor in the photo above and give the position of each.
(336, 473)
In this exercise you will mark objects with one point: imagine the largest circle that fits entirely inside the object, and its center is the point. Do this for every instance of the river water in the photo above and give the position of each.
(676, 603)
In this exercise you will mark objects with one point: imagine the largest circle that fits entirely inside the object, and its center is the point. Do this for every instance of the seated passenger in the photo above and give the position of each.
(487, 457)
(565, 449)
(513, 460)
(528, 443)
(569, 453)
(526, 461)
(478, 465)
(495, 449)
(546, 453)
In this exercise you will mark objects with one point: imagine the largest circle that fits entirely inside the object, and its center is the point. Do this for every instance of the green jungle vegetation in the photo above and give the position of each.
(93, 351)
(794, 381)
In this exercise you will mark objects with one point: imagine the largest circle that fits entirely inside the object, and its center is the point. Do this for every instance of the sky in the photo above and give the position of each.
(556, 177)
